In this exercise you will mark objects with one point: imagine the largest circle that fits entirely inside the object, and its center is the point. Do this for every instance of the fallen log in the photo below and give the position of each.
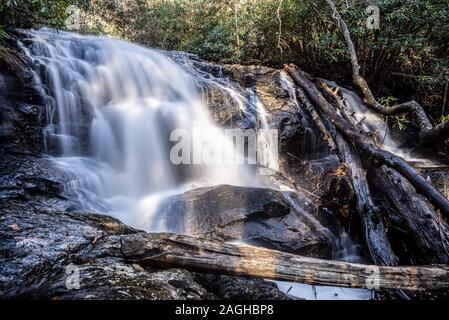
(373, 227)
(316, 119)
(372, 153)
(345, 111)
(202, 255)
(429, 235)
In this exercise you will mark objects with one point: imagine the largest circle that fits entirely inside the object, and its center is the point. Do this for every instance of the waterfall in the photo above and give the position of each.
(111, 108)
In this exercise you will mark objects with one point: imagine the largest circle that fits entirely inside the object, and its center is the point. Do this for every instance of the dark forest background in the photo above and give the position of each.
(406, 58)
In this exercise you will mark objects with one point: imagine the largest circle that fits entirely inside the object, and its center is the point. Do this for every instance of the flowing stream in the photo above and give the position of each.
(125, 101)
(111, 106)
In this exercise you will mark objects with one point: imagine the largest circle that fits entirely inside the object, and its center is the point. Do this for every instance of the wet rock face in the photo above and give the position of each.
(38, 245)
(29, 178)
(272, 94)
(268, 85)
(232, 288)
(255, 215)
(48, 254)
(22, 110)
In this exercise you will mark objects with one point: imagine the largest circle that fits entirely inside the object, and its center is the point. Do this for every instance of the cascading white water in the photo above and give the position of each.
(110, 110)
(372, 122)
(125, 100)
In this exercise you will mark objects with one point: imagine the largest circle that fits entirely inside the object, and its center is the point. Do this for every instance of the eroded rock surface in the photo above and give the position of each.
(41, 238)
(59, 255)
(255, 215)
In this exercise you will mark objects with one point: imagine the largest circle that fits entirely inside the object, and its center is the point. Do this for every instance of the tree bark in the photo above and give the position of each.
(373, 227)
(428, 132)
(316, 119)
(428, 234)
(211, 256)
(366, 146)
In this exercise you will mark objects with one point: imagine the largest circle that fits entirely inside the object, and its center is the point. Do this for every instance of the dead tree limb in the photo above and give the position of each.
(373, 227)
(316, 119)
(374, 230)
(428, 234)
(344, 109)
(372, 153)
(414, 211)
(211, 256)
(428, 132)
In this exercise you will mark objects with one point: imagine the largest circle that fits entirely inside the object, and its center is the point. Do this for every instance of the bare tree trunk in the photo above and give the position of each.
(416, 214)
(373, 227)
(316, 119)
(428, 132)
(374, 230)
(211, 256)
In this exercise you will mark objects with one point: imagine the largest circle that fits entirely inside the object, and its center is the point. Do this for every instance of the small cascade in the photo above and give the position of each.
(311, 146)
(112, 108)
(374, 124)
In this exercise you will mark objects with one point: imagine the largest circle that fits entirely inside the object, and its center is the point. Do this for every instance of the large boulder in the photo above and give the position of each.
(254, 215)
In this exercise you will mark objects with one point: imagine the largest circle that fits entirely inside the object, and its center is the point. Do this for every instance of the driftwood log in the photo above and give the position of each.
(202, 255)
(365, 146)
(308, 106)
(427, 232)
(373, 227)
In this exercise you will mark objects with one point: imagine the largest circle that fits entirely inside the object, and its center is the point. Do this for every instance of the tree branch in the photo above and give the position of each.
(428, 132)
(366, 146)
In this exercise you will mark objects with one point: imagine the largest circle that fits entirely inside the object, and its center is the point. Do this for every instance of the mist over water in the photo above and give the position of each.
(124, 100)
(372, 122)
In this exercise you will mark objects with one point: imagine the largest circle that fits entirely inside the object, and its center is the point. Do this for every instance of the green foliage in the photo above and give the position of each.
(400, 122)
(408, 57)
(2, 33)
(444, 118)
(387, 101)
(34, 13)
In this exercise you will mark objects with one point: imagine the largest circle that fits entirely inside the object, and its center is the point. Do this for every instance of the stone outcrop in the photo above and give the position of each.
(254, 215)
